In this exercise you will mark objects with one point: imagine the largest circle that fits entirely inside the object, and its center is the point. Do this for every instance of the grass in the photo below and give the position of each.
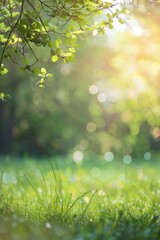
(97, 200)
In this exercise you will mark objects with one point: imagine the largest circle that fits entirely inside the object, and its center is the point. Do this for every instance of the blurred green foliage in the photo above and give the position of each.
(107, 100)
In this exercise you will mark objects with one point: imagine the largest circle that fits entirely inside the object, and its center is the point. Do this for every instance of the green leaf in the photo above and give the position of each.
(110, 26)
(124, 10)
(41, 86)
(41, 75)
(42, 80)
(52, 44)
(58, 42)
(3, 70)
(72, 49)
(109, 16)
(4, 96)
(68, 34)
(74, 39)
(49, 75)
(22, 69)
(25, 61)
(68, 54)
(81, 20)
(55, 58)
(114, 15)
(43, 70)
(2, 39)
(121, 21)
(78, 32)
(36, 71)
(14, 14)
(107, 4)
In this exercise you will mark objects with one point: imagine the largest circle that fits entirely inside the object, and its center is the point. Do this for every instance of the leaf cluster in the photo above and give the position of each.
(55, 25)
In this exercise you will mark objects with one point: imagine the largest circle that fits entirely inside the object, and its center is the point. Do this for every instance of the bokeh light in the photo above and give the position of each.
(127, 159)
(78, 156)
(156, 132)
(93, 89)
(147, 156)
(109, 156)
(91, 127)
(102, 97)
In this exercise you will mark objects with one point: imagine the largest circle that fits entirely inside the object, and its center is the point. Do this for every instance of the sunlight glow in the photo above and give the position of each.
(137, 31)
(140, 84)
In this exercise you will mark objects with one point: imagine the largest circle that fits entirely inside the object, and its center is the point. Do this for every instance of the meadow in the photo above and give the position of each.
(60, 199)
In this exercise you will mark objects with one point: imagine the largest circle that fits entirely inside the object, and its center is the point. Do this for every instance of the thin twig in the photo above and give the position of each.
(39, 18)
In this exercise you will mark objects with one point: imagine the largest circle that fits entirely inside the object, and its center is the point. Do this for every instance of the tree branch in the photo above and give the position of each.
(12, 30)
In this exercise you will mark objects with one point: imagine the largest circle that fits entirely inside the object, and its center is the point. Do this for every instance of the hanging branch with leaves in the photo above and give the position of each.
(54, 24)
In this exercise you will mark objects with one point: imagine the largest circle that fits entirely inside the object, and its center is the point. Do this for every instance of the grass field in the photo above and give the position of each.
(58, 199)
